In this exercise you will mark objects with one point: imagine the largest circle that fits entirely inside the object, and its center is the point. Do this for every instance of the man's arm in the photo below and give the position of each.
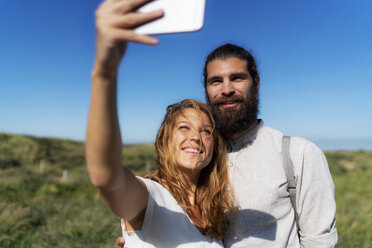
(315, 200)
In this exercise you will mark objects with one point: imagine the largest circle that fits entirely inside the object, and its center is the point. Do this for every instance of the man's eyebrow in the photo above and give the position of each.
(235, 74)
(240, 74)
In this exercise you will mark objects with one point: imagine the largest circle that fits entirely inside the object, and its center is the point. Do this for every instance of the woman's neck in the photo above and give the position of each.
(192, 183)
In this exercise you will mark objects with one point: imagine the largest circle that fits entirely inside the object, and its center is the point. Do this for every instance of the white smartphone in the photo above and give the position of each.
(179, 16)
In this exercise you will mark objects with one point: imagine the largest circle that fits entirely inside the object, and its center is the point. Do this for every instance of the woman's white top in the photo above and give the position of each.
(166, 224)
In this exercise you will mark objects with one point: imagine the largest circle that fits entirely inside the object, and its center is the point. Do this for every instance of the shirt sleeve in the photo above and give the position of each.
(315, 201)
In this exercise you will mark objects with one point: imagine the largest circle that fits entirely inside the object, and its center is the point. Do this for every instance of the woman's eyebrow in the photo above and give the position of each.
(180, 122)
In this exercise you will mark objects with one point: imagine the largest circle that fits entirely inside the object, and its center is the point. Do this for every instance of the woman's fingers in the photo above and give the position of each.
(135, 19)
(120, 27)
(125, 6)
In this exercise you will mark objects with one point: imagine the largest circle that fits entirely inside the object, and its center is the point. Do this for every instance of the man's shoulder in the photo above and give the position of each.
(303, 151)
(271, 131)
(278, 133)
(299, 143)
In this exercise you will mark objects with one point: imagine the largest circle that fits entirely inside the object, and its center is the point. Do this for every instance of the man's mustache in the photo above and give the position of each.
(224, 99)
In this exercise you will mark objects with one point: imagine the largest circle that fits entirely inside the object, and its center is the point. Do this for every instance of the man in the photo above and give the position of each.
(266, 217)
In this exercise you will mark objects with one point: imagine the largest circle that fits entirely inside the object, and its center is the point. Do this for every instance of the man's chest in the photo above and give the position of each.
(258, 180)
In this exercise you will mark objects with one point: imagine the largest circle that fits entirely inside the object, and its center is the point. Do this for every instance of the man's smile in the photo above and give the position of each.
(229, 104)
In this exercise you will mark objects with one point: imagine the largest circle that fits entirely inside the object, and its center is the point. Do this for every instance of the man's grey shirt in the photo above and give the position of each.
(265, 217)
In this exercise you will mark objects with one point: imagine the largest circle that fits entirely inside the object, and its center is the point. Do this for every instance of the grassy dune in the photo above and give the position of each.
(39, 207)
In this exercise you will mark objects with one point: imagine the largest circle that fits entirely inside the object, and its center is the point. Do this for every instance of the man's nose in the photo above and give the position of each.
(228, 88)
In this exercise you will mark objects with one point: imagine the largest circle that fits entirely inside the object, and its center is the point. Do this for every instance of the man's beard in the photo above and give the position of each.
(236, 120)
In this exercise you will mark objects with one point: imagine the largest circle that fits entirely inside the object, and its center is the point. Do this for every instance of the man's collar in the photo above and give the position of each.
(245, 139)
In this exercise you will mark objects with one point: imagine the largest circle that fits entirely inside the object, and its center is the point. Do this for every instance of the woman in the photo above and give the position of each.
(185, 201)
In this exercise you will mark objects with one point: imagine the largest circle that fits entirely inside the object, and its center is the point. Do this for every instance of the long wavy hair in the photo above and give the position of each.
(213, 197)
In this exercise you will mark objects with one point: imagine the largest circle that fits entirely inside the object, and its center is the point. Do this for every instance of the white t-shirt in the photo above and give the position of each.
(166, 224)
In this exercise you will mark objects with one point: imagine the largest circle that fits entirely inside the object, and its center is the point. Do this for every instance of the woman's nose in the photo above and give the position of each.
(195, 136)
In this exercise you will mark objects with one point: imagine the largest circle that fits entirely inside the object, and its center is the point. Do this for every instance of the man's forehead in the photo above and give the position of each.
(228, 65)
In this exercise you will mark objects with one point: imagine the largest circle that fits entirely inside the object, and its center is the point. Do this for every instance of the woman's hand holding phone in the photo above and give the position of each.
(115, 24)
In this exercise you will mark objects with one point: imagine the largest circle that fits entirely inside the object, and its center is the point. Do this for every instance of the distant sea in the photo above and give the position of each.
(355, 144)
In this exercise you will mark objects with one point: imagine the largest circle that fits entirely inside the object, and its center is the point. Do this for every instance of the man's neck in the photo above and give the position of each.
(236, 136)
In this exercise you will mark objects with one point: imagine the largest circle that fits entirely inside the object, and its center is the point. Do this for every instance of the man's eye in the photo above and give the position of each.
(237, 78)
(184, 127)
(213, 82)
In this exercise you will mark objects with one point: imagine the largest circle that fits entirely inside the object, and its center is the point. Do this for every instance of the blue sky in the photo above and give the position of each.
(314, 58)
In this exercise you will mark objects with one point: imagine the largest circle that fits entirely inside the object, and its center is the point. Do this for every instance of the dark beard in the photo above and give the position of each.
(235, 120)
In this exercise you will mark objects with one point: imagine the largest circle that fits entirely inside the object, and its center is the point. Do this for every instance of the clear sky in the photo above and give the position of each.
(314, 58)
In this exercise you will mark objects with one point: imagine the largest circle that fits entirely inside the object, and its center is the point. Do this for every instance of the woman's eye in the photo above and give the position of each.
(206, 131)
(184, 127)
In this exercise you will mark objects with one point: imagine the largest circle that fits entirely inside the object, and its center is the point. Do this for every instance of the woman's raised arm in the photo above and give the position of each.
(123, 193)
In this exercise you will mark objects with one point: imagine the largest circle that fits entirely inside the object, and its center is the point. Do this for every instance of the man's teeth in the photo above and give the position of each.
(192, 150)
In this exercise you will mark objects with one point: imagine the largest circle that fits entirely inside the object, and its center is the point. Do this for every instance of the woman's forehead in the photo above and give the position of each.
(191, 115)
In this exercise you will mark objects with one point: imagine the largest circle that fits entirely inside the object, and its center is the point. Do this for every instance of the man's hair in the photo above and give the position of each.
(213, 193)
(227, 51)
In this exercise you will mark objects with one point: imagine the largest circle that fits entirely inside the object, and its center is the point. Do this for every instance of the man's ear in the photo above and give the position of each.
(258, 84)
(206, 96)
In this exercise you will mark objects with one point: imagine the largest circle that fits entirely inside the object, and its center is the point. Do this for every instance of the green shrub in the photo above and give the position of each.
(354, 209)
(341, 162)
(16, 150)
(38, 208)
